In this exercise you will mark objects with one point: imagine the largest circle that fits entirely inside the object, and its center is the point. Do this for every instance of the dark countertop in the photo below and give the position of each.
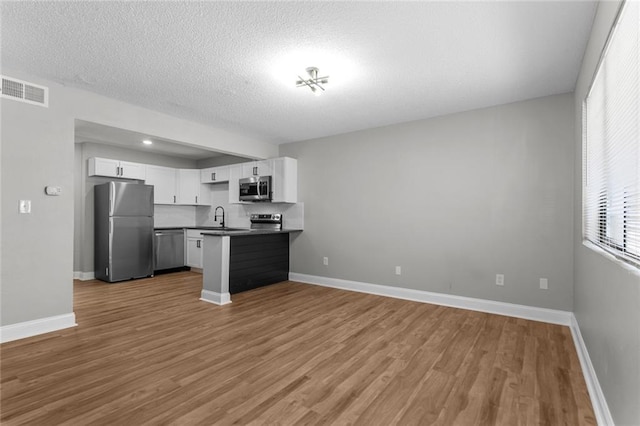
(160, 228)
(217, 231)
(246, 232)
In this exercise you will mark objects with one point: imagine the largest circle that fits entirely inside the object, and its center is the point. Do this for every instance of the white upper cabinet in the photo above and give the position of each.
(176, 186)
(235, 174)
(215, 174)
(190, 189)
(284, 180)
(189, 186)
(257, 168)
(116, 168)
(164, 184)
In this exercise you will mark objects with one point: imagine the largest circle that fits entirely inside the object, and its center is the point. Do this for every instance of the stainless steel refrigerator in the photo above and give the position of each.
(123, 231)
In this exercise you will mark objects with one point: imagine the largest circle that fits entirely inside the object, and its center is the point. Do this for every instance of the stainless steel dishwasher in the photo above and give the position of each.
(168, 249)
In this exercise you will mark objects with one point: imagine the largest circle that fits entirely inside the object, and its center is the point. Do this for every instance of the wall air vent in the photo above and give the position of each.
(23, 91)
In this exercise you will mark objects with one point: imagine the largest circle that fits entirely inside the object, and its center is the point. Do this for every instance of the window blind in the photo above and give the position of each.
(611, 132)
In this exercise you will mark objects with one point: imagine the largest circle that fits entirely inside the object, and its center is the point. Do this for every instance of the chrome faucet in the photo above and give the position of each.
(215, 215)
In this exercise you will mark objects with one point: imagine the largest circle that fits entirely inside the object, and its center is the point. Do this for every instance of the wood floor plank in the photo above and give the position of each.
(149, 352)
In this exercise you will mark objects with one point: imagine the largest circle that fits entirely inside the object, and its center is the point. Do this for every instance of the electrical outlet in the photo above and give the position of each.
(25, 206)
(499, 279)
(398, 270)
(325, 261)
(544, 283)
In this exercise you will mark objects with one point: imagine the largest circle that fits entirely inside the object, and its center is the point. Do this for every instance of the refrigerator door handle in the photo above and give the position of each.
(112, 194)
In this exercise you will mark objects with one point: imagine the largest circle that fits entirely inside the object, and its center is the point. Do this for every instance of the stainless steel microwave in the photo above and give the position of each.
(256, 188)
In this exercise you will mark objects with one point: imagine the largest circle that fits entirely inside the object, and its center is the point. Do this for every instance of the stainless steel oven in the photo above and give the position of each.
(256, 188)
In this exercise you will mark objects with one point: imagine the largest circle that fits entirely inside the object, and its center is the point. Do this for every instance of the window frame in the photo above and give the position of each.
(602, 240)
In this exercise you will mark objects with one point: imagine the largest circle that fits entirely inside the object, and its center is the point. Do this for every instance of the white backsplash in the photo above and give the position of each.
(164, 216)
(236, 215)
(219, 197)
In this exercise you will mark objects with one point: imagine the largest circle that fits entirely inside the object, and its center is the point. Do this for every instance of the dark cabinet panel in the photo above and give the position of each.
(258, 260)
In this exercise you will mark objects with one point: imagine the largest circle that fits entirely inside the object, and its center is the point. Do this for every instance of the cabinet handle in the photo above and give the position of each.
(174, 199)
(196, 199)
(198, 243)
(255, 171)
(117, 170)
(121, 171)
(213, 176)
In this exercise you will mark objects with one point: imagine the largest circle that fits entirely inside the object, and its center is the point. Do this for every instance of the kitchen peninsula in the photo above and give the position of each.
(240, 260)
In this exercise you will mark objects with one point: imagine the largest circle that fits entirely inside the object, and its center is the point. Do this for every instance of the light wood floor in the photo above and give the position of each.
(149, 352)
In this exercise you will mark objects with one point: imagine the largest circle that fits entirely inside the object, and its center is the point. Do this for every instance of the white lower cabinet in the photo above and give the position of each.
(193, 249)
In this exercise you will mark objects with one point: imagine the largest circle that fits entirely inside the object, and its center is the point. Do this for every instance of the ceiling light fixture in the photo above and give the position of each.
(314, 83)
(147, 142)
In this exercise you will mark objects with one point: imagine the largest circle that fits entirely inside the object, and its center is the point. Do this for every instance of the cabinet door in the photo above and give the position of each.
(257, 168)
(163, 180)
(132, 170)
(235, 174)
(264, 167)
(104, 167)
(215, 174)
(194, 252)
(188, 186)
(285, 180)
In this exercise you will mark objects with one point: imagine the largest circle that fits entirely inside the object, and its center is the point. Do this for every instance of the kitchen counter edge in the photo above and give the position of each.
(213, 233)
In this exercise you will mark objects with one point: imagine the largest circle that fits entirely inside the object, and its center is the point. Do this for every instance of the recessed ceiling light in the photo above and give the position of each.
(147, 142)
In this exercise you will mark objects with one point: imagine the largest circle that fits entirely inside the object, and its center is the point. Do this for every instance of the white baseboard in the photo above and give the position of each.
(598, 401)
(600, 407)
(215, 298)
(501, 308)
(84, 276)
(25, 329)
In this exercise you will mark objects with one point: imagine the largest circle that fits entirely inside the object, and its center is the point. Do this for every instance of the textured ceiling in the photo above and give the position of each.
(234, 64)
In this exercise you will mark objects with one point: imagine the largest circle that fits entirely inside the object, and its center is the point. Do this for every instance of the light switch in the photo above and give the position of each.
(25, 206)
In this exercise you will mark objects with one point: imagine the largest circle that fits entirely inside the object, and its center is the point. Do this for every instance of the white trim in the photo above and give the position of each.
(624, 264)
(215, 298)
(501, 308)
(598, 401)
(25, 329)
(84, 276)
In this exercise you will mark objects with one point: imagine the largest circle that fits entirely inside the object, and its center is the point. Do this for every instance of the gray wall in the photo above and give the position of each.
(453, 200)
(83, 237)
(37, 248)
(38, 150)
(606, 294)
